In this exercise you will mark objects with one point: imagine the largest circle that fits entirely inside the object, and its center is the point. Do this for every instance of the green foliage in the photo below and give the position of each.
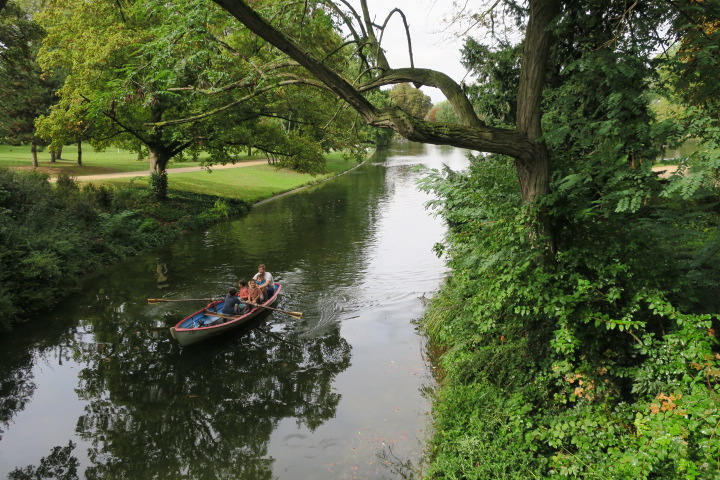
(411, 100)
(188, 78)
(159, 185)
(580, 366)
(49, 235)
(610, 346)
(24, 92)
(494, 94)
(443, 112)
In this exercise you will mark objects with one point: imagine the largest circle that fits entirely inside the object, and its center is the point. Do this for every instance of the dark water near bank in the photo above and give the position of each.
(346, 401)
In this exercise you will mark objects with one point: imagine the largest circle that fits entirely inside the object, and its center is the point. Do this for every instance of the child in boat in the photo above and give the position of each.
(265, 280)
(255, 294)
(233, 304)
(244, 294)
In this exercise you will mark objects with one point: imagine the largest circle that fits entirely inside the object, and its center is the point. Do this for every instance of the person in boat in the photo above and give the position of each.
(233, 304)
(255, 293)
(244, 295)
(243, 290)
(265, 281)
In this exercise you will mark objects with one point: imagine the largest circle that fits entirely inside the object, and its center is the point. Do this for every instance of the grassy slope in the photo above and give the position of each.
(249, 184)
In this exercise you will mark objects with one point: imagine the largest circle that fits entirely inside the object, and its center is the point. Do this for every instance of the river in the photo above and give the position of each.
(100, 385)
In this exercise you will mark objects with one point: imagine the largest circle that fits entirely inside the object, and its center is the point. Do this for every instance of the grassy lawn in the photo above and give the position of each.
(250, 184)
(112, 160)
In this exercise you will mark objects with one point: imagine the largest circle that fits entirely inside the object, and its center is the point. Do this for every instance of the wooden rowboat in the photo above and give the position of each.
(209, 322)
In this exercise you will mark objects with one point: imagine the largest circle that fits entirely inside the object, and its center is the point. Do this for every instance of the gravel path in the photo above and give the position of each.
(144, 173)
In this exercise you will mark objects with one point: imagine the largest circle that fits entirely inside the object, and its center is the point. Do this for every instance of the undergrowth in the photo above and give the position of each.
(51, 235)
(600, 361)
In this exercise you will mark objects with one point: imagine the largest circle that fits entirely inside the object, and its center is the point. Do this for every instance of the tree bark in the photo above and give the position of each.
(33, 151)
(79, 157)
(159, 158)
(534, 173)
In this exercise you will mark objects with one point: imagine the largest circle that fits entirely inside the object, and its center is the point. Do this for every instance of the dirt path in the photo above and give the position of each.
(144, 173)
(665, 171)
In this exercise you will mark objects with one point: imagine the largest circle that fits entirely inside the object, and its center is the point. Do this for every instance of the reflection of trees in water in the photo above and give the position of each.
(204, 412)
(16, 390)
(18, 355)
(59, 465)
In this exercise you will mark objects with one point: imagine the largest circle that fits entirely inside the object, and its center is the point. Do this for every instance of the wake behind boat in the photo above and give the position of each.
(209, 322)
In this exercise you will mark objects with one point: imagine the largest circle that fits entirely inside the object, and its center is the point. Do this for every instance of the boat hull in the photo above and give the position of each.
(203, 325)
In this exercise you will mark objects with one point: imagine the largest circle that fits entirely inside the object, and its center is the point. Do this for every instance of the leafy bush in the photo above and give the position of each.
(604, 359)
(51, 235)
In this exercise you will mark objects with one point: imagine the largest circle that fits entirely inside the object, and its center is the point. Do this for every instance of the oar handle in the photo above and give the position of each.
(160, 300)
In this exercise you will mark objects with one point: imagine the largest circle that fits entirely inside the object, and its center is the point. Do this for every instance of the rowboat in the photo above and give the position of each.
(209, 322)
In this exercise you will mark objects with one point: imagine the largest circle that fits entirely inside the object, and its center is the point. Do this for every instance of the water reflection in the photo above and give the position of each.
(282, 398)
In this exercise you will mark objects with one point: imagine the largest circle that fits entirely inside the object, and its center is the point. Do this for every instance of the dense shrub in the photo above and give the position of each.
(49, 235)
(604, 359)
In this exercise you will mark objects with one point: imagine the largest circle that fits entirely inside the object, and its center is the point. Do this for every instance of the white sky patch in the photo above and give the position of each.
(434, 46)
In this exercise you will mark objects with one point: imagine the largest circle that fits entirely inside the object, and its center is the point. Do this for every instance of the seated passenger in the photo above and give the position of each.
(255, 293)
(243, 287)
(265, 280)
(233, 303)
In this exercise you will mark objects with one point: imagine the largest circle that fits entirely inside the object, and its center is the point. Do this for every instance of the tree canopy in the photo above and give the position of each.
(179, 78)
(24, 92)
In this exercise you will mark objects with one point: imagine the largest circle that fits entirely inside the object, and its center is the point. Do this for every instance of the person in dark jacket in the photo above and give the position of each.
(233, 303)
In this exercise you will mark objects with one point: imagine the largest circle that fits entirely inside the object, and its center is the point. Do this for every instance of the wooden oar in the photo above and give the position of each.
(292, 314)
(160, 300)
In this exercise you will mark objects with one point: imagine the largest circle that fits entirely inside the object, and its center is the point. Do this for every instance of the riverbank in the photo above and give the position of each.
(78, 227)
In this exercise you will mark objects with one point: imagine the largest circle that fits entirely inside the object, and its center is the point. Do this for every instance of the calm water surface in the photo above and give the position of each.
(336, 395)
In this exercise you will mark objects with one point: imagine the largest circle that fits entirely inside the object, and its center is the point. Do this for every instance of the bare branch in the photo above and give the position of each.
(374, 44)
(407, 32)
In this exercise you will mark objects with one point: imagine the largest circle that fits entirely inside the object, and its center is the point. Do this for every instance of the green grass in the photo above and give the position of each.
(112, 160)
(249, 184)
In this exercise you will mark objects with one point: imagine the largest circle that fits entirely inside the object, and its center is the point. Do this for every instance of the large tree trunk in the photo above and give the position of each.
(159, 158)
(79, 157)
(534, 172)
(33, 151)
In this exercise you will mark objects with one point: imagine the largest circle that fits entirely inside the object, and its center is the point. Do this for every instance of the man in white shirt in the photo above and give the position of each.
(265, 281)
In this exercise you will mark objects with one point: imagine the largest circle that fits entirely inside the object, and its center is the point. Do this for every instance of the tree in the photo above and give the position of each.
(523, 142)
(443, 112)
(181, 78)
(411, 100)
(24, 92)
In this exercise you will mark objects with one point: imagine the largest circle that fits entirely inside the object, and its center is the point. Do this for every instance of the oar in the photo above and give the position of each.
(160, 300)
(292, 314)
